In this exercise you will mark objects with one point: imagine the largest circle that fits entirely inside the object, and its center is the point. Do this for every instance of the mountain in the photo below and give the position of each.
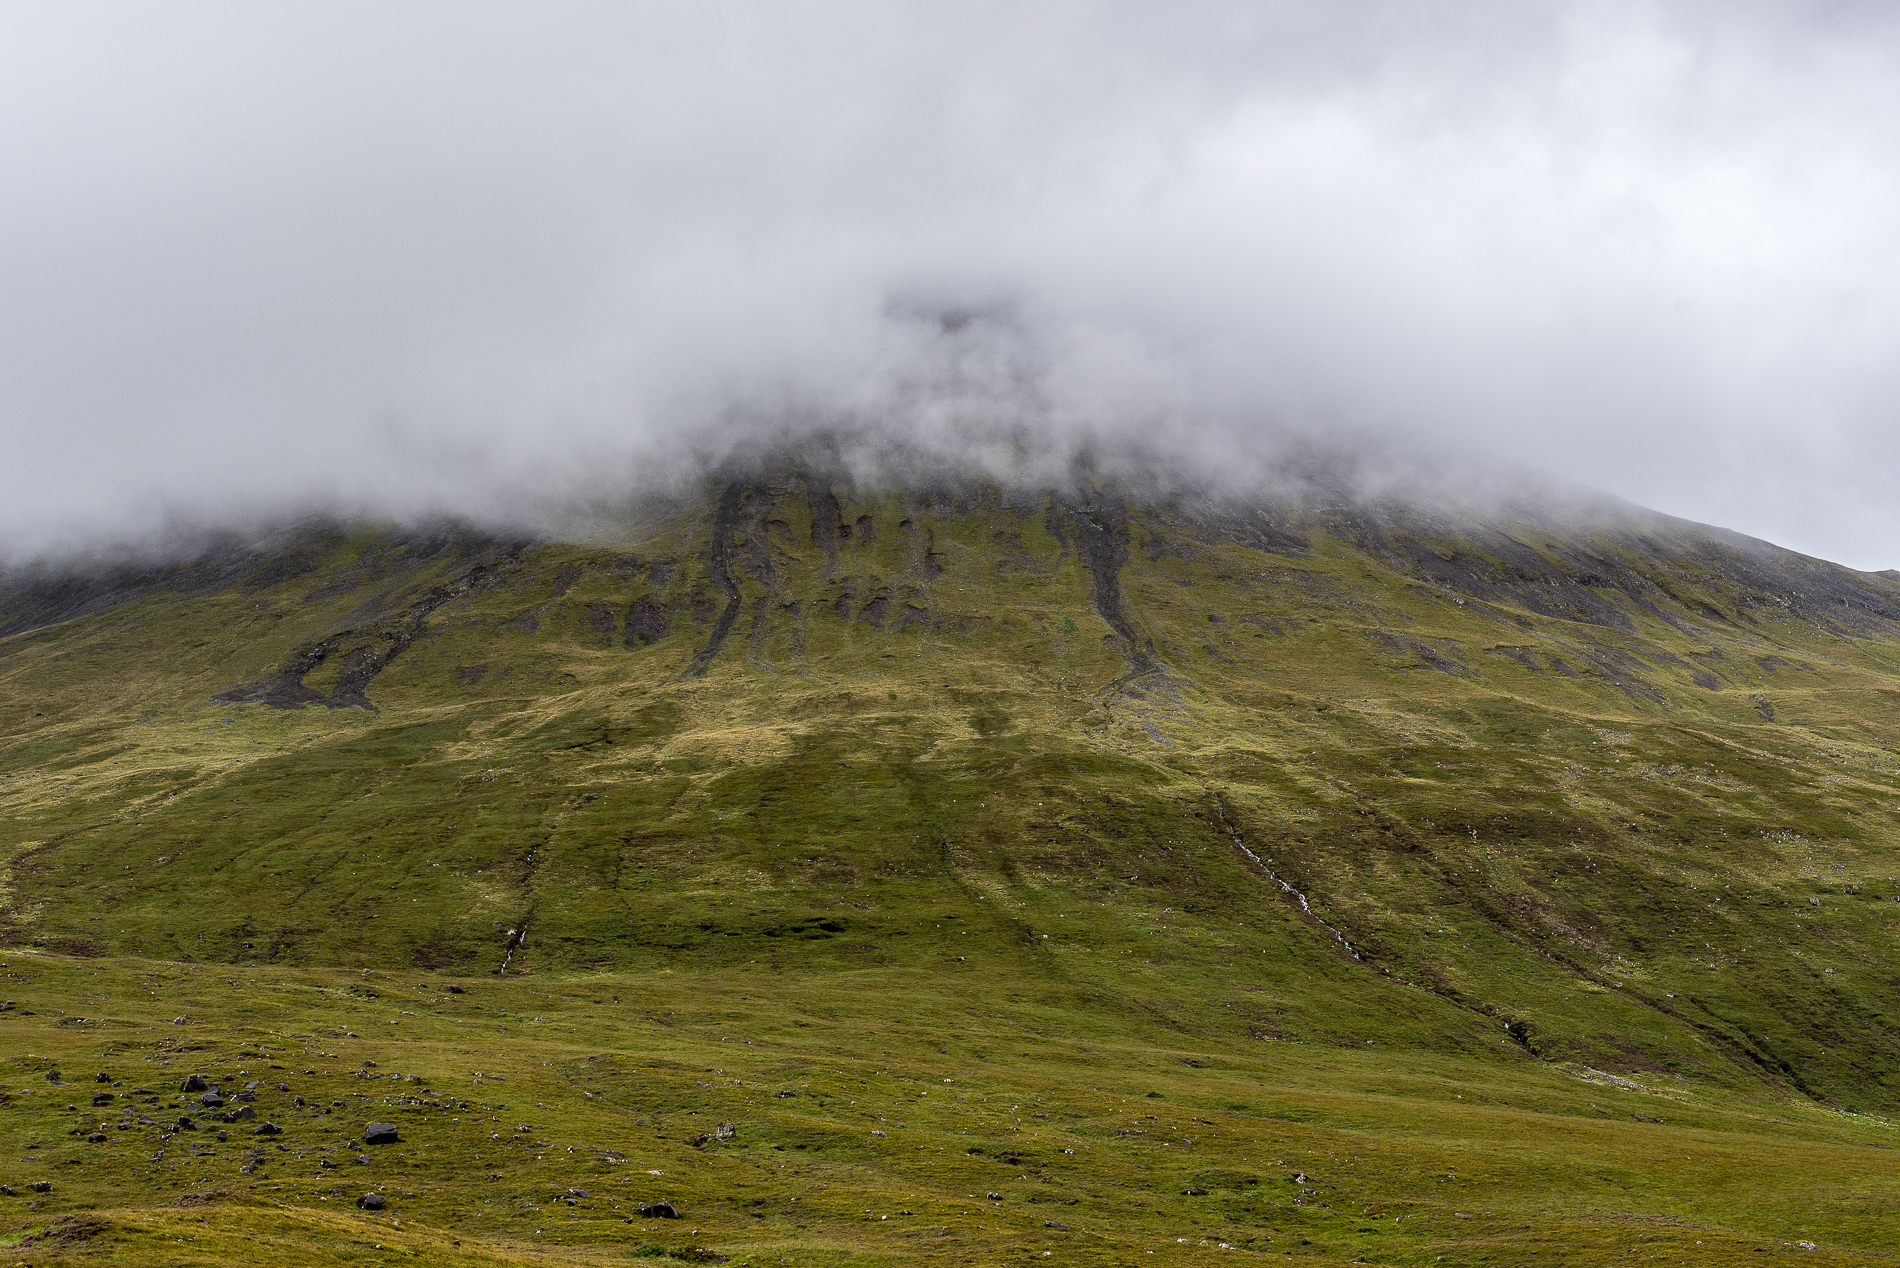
(1548, 798)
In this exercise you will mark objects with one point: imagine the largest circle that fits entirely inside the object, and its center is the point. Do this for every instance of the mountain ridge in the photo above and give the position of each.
(1618, 806)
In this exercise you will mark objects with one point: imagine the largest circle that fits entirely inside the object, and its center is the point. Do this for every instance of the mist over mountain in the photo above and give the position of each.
(470, 260)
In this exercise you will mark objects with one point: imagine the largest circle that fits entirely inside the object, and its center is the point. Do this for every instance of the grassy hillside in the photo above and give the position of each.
(1482, 841)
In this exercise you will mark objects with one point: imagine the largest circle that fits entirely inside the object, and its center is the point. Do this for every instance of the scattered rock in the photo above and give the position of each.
(7, 1190)
(97, 1138)
(193, 1083)
(1194, 1193)
(221, 1135)
(102, 1078)
(659, 1211)
(52, 1076)
(994, 1197)
(240, 1113)
(882, 1135)
(456, 990)
(42, 1186)
(725, 1131)
(267, 1129)
(372, 1202)
(212, 1098)
(380, 1134)
(103, 1098)
(1052, 1224)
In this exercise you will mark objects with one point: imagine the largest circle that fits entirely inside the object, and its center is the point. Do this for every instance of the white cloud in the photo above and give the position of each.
(428, 255)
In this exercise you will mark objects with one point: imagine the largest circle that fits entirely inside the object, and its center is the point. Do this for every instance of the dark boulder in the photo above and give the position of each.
(52, 1076)
(103, 1098)
(42, 1186)
(372, 1201)
(267, 1129)
(212, 1098)
(659, 1211)
(193, 1083)
(97, 1138)
(102, 1078)
(380, 1134)
(456, 990)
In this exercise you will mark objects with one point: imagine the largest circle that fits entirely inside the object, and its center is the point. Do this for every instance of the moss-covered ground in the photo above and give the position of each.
(1530, 893)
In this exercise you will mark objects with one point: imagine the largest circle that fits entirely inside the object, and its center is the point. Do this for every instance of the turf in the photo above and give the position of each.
(1528, 888)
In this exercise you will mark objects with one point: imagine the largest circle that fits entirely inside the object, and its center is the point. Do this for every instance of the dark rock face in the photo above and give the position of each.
(380, 1134)
(659, 1211)
(646, 622)
(372, 1202)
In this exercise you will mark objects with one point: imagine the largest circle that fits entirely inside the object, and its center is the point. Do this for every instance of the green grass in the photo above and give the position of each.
(916, 822)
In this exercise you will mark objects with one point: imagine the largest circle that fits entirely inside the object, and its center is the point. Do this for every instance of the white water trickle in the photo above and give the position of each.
(1275, 878)
(516, 939)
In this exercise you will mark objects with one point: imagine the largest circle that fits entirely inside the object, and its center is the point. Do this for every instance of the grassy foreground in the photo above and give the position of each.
(878, 1117)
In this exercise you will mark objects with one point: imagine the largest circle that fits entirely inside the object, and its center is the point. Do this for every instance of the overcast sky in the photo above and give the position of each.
(408, 257)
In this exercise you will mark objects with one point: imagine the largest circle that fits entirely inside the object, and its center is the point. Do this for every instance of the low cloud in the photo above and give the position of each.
(461, 257)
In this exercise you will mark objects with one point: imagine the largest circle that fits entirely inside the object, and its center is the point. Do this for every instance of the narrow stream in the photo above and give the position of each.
(1275, 878)
(518, 936)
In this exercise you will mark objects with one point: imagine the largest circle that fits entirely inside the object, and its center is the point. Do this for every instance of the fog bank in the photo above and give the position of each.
(503, 260)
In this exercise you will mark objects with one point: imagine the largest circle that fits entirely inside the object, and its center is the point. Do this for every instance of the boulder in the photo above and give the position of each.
(103, 1098)
(52, 1076)
(102, 1078)
(212, 1098)
(193, 1083)
(659, 1211)
(456, 990)
(267, 1129)
(97, 1138)
(372, 1201)
(380, 1134)
(42, 1186)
